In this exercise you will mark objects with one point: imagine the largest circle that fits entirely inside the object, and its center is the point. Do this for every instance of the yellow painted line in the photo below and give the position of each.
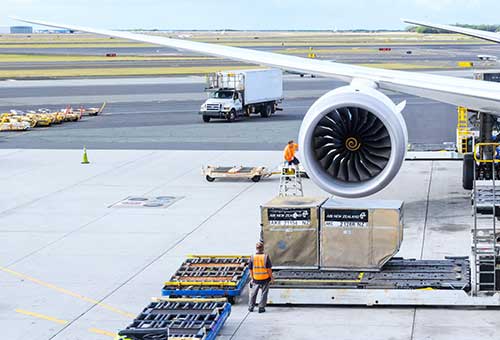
(169, 299)
(200, 283)
(41, 316)
(67, 292)
(102, 332)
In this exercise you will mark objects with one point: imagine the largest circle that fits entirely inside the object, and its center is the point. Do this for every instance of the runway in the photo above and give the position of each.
(162, 113)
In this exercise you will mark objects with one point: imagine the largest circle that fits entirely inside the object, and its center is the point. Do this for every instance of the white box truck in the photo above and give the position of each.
(241, 93)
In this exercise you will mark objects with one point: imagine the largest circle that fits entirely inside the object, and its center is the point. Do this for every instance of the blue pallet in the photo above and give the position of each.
(216, 292)
(218, 325)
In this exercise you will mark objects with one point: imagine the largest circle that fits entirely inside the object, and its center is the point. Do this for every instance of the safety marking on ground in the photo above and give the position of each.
(62, 322)
(67, 292)
(41, 316)
(102, 332)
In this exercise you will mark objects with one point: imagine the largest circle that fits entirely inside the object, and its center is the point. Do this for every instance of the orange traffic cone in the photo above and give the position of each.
(85, 159)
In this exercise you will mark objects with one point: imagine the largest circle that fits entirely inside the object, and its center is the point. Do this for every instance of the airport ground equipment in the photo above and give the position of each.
(485, 245)
(242, 93)
(290, 181)
(254, 173)
(92, 111)
(465, 134)
(290, 231)
(11, 124)
(209, 275)
(486, 126)
(179, 318)
(357, 243)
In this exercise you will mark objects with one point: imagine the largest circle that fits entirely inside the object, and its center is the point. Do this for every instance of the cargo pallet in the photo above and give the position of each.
(209, 275)
(185, 318)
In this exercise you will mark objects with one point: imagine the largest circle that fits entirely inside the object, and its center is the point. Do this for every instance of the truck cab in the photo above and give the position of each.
(223, 103)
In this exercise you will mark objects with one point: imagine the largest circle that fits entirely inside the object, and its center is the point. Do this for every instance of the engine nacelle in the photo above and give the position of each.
(353, 141)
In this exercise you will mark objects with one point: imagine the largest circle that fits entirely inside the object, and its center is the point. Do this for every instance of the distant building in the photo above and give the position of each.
(21, 30)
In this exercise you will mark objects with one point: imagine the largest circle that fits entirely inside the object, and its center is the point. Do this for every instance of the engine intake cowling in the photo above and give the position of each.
(353, 141)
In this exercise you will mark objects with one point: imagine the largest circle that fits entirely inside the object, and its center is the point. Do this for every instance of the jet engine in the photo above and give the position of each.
(353, 141)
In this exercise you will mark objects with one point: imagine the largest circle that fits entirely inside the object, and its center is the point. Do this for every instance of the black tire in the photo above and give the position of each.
(468, 171)
(210, 179)
(266, 111)
(231, 116)
(256, 178)
(206, 119)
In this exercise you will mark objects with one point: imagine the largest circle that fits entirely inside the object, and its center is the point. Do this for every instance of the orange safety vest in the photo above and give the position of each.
(259, 267)
(289, 152)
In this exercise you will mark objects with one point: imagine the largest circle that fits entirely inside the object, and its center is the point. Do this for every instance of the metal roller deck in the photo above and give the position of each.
(398, 273)
(186, 319)
(401, 282)
(207, 275)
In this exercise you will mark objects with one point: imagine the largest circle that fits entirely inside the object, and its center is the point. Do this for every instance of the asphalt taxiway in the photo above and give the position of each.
(162, 113)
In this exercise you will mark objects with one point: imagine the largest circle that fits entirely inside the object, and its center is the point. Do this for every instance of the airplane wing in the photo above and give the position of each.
(473, 94)
(485, 35)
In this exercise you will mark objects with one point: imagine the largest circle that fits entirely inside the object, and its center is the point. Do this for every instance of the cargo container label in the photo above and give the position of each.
(343, 218)
(288, 217)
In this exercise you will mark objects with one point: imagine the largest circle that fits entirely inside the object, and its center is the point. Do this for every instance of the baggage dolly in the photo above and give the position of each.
(255, 173)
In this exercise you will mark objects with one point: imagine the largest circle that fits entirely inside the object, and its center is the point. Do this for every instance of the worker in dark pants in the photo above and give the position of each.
(289, 153)
(261, 275)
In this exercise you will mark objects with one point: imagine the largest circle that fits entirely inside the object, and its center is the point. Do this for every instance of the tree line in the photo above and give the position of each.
(421, 29)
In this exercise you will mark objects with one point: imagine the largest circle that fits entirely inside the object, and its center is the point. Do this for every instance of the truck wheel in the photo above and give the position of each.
(210, 179)
(231, 116)
(468, 171)
(266, 111)
(256, 178)
(206, 119)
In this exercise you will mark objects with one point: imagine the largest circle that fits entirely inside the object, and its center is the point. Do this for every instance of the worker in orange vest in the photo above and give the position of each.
(289, 153)
(261, 274)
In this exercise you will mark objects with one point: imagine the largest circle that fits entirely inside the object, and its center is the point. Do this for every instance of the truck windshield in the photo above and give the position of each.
(223, 94)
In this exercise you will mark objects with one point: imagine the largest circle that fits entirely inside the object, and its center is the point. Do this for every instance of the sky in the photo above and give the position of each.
(251, 14)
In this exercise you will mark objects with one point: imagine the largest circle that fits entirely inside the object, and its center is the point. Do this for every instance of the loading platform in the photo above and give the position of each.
(401, 282)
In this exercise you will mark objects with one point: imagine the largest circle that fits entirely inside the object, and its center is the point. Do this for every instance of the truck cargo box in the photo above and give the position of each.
(257, 85)
(359, 234)
(290, 230)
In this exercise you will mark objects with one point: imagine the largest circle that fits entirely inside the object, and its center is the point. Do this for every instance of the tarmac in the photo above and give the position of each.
(73, 267)
(162, 113)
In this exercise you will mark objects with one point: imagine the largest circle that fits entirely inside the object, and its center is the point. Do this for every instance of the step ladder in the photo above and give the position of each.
(485, 247)
(290, 181)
